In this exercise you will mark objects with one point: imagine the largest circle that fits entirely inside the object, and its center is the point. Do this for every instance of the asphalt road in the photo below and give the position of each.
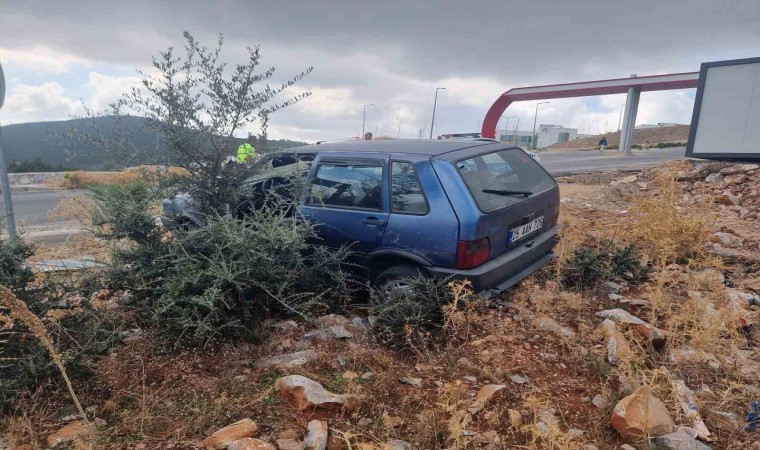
(32, 208)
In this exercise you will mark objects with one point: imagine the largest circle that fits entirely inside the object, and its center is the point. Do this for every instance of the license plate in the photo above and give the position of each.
(524, 230)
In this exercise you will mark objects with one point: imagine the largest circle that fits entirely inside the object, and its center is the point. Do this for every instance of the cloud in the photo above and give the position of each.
(41, 60)
(42, 102)
(105, 89)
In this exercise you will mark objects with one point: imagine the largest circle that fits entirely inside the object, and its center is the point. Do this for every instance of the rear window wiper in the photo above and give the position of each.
(507, 192)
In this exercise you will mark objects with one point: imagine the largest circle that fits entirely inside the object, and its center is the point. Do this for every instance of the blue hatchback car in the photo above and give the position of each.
(474, 209)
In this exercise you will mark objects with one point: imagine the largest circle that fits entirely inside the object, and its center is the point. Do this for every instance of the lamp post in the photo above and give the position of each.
(5, 184)
(533, 136)
(435, 103)
(364, 119)
(506, 125)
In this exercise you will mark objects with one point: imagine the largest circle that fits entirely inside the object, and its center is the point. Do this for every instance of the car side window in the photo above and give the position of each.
(347, 185)
(407, 196)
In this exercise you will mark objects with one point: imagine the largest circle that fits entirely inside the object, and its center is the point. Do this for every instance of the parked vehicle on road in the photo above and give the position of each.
(474, 209)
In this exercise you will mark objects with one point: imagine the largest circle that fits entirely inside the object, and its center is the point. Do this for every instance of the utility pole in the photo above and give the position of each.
(435, 103)
(398, 135)
(533, 138)
(364, 119)
(5, 184)
(517, 125)
(506, 125)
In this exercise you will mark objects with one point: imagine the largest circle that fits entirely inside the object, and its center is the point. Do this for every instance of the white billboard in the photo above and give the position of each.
(726, 119)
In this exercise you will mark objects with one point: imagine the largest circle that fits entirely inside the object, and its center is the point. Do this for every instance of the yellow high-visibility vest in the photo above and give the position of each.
(246, 152)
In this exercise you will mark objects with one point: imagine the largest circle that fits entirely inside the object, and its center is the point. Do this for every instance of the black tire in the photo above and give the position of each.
(394, 276)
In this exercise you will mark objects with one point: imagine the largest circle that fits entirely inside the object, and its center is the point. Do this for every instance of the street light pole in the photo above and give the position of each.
(435, 103)
(506, 125)
(364, 119)
(5, 184)
(533, 136)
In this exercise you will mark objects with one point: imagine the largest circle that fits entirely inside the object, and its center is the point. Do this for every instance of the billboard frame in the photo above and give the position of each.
(698, 107)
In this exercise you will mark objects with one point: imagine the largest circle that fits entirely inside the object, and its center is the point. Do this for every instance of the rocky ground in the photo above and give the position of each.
(667, 361)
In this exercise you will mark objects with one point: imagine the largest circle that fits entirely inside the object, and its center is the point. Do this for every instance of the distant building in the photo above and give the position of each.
(659, 125)
(546, 135)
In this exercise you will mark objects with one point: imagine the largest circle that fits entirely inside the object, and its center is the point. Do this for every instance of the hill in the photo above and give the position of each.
(47, 141)
(645, 137)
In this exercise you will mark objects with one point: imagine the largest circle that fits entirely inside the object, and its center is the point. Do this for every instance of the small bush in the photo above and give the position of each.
(670, 144)
(592, 264)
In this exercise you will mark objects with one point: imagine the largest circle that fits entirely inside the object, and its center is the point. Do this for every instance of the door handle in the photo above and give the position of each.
(373, 222)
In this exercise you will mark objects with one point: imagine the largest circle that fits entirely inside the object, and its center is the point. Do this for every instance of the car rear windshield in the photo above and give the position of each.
(503, 178)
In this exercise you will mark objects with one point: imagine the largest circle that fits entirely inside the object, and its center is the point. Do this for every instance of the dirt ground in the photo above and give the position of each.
(558, 378)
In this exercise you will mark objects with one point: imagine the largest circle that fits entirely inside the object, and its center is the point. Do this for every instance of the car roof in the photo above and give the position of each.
(407, 146)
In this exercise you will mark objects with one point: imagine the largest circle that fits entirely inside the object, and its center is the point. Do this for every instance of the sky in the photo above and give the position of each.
(393, 54)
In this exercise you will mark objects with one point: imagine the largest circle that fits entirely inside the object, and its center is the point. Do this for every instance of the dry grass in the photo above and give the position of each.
(81, 179)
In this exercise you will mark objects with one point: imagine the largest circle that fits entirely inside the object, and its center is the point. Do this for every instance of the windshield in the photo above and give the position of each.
(282, 166)
(503, 178)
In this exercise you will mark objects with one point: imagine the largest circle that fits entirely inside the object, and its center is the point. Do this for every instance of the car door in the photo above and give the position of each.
(346, 200)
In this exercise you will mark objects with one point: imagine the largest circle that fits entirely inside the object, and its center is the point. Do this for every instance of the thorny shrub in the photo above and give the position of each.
(218, 280)
(591, 264)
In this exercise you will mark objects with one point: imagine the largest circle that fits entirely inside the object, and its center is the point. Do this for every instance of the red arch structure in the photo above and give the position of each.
(633, 86)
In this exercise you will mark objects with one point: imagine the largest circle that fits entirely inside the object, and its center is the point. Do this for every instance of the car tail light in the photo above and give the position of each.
(555, 216)
(472, 253)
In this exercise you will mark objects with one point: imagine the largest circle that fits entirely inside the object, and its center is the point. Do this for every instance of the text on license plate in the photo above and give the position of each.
(524, 230)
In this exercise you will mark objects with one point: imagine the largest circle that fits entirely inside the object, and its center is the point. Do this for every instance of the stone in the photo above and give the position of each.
(639, 415)
(364, 422)
(367, 376)
(73, 431)
(726, 239)
(612, 287)
(397, 444)
(330, 320)
(515, 418)
(549, 325)
(617, 344)
(629, 179)
(738, 168)
(600, 401)
(290, 444)
(285, 325)
(250, 444)
(416, 382)
(290, 433)
(222, 438)
(714, 178)
(307, 394)
(289, 361)
(485, 395)
(393, 421)
(340, 332)
(614, 297)
(316, 435)
(350, 375)
(656, 336)
(724, 421)
(728, 199)
(735, 179)
(470, 378)
(690, 355)
(518, 379)
(676, 441)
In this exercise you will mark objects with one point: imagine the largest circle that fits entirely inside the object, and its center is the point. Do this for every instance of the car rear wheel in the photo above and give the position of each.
(398, 277)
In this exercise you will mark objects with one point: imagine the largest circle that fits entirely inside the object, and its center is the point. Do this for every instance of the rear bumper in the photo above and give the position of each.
(508, 269)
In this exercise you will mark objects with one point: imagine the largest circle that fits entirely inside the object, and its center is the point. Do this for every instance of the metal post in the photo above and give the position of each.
(5, 184)
(364, 119)
(533, 135)
(514, 135)
(435, 103)
(629, 120)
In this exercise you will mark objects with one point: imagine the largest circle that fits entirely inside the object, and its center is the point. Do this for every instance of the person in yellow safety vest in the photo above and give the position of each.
(246, 153)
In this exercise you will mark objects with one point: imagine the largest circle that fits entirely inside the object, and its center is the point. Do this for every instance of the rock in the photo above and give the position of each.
(367, 376)
(515, 418)
(290, 444)
(617, 345)
(340, 332)
(656, 336)
(746, 365)
(639, 415)
(350, 375)
(728, 199)
(250, 444)
(600, 401)
(222, 438)
(738, 168)
(612, 287)
(485, 395)
(549, 325)
(285, 325)
(289, 360)
(714, 178)
(393, 421)
(74, 431)
(518, 379)
(690, 355)
(328, 334)
(396, 444)
(417, 382)
(614, 297)
(308, 394)
(727, 239)
(676, 441)
(316, 435)
(290, 433)
(470, 378)
(629, 179)
(735, 179)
